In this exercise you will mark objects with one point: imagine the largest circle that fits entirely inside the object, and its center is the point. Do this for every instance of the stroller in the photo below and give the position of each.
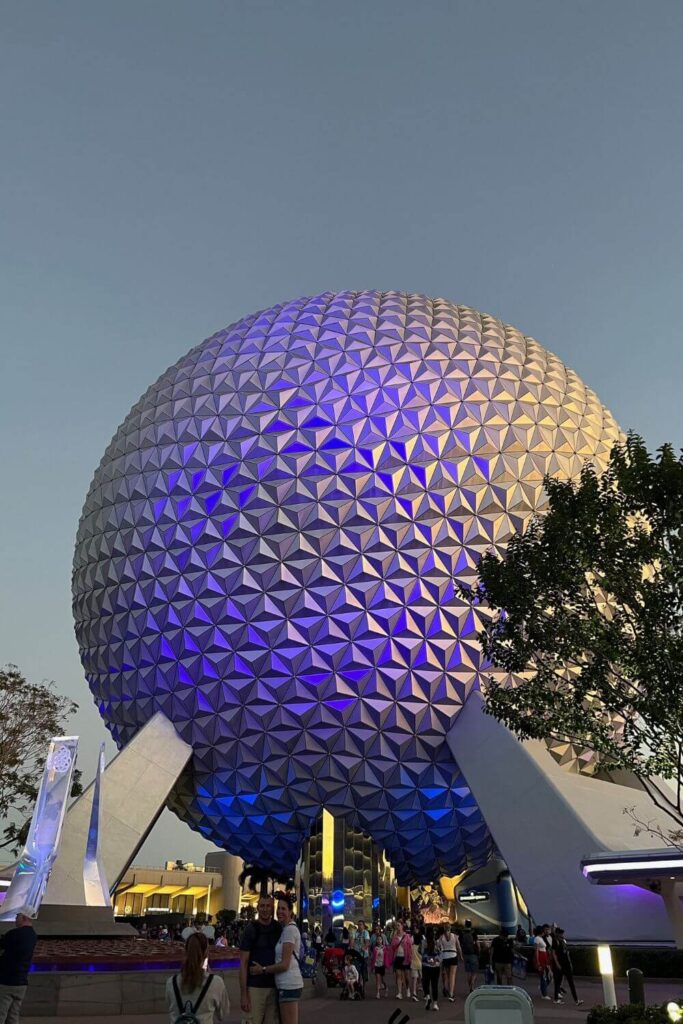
(333, 966)
(359, 962)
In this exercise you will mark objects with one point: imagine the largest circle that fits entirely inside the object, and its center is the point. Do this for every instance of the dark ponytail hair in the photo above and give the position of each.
(430, 941)
(192, 971)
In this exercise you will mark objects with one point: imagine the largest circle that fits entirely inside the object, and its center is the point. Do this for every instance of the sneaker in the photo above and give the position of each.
(579, 1002)
(428, 1003)
(451, 999)
(399, 995)
(378, 996)
(546, 997)
(435, 1006)
(560, 1000)
(415, 999)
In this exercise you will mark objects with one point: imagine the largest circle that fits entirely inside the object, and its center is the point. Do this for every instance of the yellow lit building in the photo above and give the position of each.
(176, 889)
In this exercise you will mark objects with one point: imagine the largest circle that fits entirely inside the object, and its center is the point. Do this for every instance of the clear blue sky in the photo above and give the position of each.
(166, 168)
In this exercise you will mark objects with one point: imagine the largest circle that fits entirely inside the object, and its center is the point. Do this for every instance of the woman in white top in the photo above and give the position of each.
(288, 979)
(196, 990)
(451, 953)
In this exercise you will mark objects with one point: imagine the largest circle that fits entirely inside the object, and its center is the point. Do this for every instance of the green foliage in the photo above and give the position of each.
(588, 606)
(662, 962)
(225, 917)
(30, 715)
(629, 1013)
(255, 879)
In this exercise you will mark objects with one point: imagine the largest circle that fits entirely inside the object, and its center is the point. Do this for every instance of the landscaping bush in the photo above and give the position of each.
(629, 1013)
(654, 963)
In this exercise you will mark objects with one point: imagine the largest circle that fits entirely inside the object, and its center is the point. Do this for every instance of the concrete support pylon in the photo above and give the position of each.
(134, 788)
(545, 820)
(672, 890)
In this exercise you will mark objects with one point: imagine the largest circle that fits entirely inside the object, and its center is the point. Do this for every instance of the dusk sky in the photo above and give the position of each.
(167, 168)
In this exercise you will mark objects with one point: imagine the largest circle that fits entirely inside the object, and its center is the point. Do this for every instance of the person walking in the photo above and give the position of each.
(415, 968)
(258, 998)
(469, 943)
(361, 944)
(378, 955)
(501, 958)
(542, 960)
(16, 956)
(401, 954)
(286, 971)
(431, 969)
(563, 968)
(451, 954)
(195, 990)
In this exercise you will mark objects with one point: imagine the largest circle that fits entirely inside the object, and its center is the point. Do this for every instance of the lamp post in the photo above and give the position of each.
(607, 974)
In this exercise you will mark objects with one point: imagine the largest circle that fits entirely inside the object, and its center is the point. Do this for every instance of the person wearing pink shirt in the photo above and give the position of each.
(401, 955)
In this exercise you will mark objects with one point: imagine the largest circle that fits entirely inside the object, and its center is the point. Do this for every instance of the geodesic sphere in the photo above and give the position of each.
(269, 552)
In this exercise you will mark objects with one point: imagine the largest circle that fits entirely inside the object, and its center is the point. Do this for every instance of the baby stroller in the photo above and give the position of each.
(333, 966)
(358, 961)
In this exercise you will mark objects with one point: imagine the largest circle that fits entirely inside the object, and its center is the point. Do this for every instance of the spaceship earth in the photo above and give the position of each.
(269, 554)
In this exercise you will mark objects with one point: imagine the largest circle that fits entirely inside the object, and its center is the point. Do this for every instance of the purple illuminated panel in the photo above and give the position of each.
(269, 554)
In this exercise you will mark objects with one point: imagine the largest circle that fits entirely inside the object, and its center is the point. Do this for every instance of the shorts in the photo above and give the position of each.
(289, 995)
(471, 963)
(449, 961)
(415, 972)
(399, 965)
(380, 970)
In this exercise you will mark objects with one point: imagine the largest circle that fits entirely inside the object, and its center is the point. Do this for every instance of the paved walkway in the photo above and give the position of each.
(373, 1011)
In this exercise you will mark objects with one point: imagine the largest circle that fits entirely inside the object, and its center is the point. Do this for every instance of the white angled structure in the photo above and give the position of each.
(42, 845)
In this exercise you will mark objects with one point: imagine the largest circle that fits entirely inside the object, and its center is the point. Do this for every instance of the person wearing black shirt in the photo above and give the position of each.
(469, 944)
(501, 958)
(259, 939)
(16, 954)
(562, 967)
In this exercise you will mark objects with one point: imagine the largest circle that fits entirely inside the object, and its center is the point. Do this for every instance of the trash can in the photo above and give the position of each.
(499, 1004)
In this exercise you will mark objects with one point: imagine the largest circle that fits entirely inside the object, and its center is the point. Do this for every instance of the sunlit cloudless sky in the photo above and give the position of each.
(166, 168)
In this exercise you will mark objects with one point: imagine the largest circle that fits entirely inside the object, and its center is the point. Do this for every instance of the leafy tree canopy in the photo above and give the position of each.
(30, 715)
(587, 605)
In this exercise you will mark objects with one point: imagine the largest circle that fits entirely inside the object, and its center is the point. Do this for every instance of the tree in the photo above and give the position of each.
(254, 878)
(257, 879)
(587, 607)
(30, 715)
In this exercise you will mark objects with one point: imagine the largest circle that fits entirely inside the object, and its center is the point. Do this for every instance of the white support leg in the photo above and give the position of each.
(135, 786)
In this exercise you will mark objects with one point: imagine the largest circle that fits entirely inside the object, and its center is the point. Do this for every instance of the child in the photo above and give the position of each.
(350, 977)
(379, 963)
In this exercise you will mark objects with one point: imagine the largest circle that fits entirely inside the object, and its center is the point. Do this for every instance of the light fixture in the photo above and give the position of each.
(607, 975)
(632, 865)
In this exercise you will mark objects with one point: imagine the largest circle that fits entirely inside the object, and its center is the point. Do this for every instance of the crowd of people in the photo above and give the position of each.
(407, 959)
(422, 960)
(553, 963)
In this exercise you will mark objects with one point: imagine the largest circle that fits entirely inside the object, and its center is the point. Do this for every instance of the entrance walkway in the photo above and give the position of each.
(374, 1011)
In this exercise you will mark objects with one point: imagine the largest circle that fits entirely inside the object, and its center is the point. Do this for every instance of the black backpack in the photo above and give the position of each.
(188, 1013)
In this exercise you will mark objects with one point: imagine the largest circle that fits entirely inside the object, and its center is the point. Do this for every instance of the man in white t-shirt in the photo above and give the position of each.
(542, 959)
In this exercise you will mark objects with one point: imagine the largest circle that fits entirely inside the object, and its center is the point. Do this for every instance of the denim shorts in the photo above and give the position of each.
(289, 995)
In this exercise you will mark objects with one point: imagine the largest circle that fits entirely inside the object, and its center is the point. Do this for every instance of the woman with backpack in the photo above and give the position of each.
(431, 969)
(194, 996)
